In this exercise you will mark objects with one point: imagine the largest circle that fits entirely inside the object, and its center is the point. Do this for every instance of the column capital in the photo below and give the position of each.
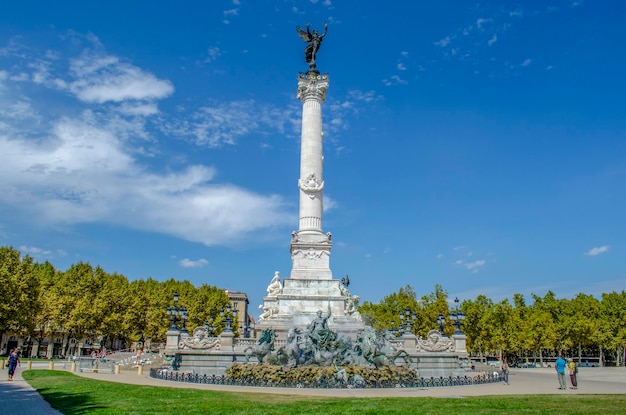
(312, 85)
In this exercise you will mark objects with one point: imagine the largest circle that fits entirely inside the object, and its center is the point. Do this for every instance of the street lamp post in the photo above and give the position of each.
(210, 327)
(393, 329)
(183, 318)
(228, 317)
(176, 313)
(173, 313)
(247, 328)
(458, 316)
(440, 320)
(406, 318)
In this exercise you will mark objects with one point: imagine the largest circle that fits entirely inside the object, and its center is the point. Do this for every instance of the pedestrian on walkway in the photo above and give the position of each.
(504, 371)
(572, 367)
(14, 361)
(560, 371)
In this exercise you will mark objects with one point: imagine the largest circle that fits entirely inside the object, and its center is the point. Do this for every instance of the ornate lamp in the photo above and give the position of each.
(440, 320)
(458, 316)
(406, 319)
(173, 313)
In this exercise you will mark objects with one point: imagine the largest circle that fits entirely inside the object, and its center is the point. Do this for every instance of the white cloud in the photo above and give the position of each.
(493, 40)
(82, 173)
(188, 263)
(473, 266)
(138, 109)
(329, 203)
(466, 252)
(32, 250)
(40, 254)
(213, 53)
(394, 80)
(527, 62)
(597, 250)
(480, 22)
(105, 78)
(365, 96)
(225, 123)
(444, 42)
(86, 167)
(19, 110)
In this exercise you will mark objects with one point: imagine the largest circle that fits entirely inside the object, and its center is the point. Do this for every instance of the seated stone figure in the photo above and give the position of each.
(318, 331)
(351, 306)
(268, 310)
(275, 288)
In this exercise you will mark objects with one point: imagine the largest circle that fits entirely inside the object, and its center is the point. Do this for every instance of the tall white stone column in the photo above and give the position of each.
(310, 288)
(310, 247)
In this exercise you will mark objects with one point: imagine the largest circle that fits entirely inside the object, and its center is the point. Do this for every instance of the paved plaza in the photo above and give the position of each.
(522, 382)
(18, 397)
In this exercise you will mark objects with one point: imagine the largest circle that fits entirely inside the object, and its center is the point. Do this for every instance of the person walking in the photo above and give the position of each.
(504, 371)
(14, 361)
(572, 367)
(560, 371)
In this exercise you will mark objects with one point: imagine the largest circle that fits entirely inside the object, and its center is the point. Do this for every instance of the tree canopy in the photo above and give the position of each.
(86, 301)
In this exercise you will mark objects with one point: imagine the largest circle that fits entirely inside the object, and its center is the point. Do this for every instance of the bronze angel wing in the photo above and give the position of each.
(304, 35)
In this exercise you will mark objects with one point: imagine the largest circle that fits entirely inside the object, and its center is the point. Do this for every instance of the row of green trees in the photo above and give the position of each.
(83, 301)
(37, 300)
(548, 326)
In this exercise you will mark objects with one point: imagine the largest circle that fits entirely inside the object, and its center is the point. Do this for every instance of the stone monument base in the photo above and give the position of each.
(437, 365)
(297, 304)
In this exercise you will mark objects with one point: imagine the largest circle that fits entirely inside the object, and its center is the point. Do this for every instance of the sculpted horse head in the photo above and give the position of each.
(291, 353)
(264, 347)
(267, 337)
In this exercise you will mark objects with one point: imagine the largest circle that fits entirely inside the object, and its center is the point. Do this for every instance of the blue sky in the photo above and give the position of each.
(475, 145)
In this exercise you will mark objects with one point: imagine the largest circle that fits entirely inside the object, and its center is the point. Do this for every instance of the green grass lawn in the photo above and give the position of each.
(73, 395)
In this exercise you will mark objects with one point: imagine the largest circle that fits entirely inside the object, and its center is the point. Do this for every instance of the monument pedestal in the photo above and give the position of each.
(460, 344)
(439, 364)
(172, 339)
(302, 299)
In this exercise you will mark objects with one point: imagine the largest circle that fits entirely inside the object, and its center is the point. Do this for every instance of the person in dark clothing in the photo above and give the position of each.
(14, 361)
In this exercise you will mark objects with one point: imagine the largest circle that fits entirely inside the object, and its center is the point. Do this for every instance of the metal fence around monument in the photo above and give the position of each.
(325, 383)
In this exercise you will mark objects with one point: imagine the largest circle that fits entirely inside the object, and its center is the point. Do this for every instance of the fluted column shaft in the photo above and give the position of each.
(312, 92)
(310, 247)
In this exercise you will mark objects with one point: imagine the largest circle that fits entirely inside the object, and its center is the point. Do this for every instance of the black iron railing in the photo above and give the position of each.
(324, 383)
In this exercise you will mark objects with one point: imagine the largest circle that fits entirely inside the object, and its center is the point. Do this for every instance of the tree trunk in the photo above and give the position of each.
(541, 357)
(601, 358)
(65, 344)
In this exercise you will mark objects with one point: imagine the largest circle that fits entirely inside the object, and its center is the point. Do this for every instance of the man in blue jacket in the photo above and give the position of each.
(560, 371)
